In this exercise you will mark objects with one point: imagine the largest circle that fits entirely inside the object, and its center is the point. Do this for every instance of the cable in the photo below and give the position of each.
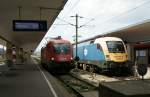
(74, 6)
(125, 12)
(60, 24)
(65, 21)
(86, 23)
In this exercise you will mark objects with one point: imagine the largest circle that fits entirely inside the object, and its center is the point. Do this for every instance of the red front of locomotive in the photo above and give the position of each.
(60, 51)
(57, 55)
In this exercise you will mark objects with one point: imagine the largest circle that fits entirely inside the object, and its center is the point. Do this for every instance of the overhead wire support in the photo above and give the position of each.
(76, 16)
(19, 12)
(76, 27)
(40, 13)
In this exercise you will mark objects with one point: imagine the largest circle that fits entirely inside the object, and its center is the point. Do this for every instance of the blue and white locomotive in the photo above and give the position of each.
(105, 54)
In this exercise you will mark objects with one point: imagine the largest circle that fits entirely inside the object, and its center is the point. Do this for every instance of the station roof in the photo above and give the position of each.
(27, 10)
(134, 33)
(137, 33)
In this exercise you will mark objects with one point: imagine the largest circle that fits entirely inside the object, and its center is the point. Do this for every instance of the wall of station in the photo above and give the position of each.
(139, 53)
(12, 54)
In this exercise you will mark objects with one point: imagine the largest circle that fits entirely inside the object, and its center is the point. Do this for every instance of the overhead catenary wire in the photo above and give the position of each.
(97, 16)
(72, 8)
(61, 24)
(65, 21)
(86, 23)
(68, 23)
(78, 2)
(123, 13)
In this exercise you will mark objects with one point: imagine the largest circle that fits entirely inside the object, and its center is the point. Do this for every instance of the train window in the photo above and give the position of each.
(62, 48)
(115, 46)
(92, 41)
(99, 46)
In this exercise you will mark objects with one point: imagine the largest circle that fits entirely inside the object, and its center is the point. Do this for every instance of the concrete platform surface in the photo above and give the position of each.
(27, 80)
(91, 78)
(3, 67)
(134, 88)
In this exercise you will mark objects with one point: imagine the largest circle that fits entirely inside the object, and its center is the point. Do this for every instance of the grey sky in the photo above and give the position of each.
(108, 15)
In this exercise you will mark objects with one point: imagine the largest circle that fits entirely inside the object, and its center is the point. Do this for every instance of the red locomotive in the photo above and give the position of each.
(57, 55)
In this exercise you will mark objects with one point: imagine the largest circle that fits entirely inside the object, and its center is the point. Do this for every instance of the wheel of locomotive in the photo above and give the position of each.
(130, 68)
(97, 69)
(84, 67)
(45, 66)
(41, 62)
(115, 71)
(124, 71)
(91, 68)
(80, 66)
(120, 71)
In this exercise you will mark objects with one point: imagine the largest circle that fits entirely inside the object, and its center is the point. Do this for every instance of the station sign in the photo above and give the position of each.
(29, 25)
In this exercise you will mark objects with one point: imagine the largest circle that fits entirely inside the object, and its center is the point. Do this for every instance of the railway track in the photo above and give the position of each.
(84, 85)
(79, 87)
(95, 79)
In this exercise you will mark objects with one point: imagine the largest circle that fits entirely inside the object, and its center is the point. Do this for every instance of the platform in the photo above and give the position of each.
(91, 78)
(134, 88)
(29, 80)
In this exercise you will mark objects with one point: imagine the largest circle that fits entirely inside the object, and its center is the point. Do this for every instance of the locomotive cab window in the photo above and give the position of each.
(62, 48)
(99, 46)
(115, 47)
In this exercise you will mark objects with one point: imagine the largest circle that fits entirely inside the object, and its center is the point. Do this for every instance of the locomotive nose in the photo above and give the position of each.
(120, 57)
(63, 58)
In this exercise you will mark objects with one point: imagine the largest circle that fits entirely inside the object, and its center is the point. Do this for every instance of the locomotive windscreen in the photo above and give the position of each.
(62, 48)
(115, 46)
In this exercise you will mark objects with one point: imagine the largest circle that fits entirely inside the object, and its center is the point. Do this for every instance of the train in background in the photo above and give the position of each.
(104, 55)
(57, 55)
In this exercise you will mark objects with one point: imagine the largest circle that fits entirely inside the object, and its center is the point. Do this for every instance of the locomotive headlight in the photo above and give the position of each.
(127, 56)
(71, 58)
(52, 58)
(108, 58)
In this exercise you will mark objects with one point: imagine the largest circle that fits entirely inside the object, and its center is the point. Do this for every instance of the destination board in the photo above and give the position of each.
(29, 25)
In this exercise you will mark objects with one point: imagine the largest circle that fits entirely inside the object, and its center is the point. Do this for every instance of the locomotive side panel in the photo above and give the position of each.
(91, 54)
